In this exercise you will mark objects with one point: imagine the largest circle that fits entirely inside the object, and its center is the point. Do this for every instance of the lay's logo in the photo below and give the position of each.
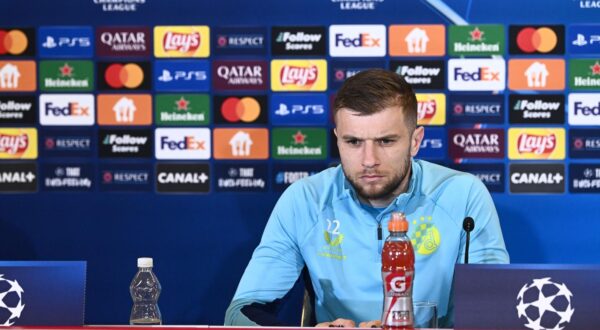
(537, 144)
(18, 143)
(181, 41)
(431, 109)
(531, 143)
(298, 75)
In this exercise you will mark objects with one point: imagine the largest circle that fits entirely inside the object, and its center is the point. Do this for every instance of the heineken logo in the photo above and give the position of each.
(476, 40)
(182, 109)
(299, 143)
(584, 74)
(66, 76)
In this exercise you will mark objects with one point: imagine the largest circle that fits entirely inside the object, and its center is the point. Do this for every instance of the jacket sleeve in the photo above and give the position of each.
(273, 269)
(486, 245)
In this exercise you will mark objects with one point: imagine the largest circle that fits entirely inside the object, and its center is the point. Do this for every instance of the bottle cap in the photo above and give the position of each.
(145, 262)
(398, 222)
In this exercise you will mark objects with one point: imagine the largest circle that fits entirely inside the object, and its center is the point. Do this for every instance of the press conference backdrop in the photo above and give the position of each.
(169, 128)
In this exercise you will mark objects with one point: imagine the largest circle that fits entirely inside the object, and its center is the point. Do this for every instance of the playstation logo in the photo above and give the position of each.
(283, 110)
(166, 76)
(50, 43)
(581, 40)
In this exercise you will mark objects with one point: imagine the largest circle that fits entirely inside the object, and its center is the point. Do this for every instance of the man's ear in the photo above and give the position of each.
(416, 139)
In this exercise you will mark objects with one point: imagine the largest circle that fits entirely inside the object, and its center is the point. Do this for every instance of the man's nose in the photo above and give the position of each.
(369, 155)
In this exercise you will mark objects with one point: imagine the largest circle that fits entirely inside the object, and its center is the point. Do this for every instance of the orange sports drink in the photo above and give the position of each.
(398, 273)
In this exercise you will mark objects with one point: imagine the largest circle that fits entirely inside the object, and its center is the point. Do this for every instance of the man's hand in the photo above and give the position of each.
(370, 324)
(339, 323)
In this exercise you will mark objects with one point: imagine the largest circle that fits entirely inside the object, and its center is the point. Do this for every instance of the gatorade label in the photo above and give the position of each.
(398, 299)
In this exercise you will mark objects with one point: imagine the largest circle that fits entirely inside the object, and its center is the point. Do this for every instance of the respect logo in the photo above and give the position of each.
(298, 75)
(536, 143)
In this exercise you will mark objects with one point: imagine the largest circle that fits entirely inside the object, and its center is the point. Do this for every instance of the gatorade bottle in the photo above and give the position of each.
(398, 273)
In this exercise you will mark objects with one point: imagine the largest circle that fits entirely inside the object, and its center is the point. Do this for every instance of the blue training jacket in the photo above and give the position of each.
(319, 222)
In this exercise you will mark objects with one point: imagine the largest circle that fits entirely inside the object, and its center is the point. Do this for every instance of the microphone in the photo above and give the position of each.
(468, 225)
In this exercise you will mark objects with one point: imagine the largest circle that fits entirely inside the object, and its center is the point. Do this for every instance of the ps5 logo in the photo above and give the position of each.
(582, 41)
(315, 109)
(66, 42)
(167, 76)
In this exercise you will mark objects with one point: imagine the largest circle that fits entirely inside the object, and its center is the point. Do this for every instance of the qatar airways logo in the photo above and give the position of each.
(536, 144)
(298, 75)
(182, 42)
(477, 143)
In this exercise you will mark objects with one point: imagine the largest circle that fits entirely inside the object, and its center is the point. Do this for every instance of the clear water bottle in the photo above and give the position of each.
(145, 290)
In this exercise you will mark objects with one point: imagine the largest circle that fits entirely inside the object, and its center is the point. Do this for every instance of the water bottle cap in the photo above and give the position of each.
(398, 222)
(145, 262)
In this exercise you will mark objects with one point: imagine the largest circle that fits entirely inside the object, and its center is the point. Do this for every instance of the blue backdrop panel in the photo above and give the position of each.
(202, 243)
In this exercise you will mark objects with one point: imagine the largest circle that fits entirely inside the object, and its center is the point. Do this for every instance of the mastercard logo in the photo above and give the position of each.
(541, 39)
(128, 75)
(13, 42)
(246, 109)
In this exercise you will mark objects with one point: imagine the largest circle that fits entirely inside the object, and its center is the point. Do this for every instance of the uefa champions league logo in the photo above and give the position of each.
(545, 305)
(11, 303)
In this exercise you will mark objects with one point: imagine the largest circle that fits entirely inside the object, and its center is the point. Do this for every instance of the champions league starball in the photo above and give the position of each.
(545, 305)
(11, 302)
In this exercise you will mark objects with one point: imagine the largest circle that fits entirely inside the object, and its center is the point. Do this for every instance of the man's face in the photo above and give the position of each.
(375, 151)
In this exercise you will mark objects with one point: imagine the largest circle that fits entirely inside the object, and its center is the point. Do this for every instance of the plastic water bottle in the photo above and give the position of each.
(145, 290)
(398, 273)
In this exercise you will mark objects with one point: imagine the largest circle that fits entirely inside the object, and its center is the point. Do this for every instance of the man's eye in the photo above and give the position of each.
(385, 142)
(353, 142)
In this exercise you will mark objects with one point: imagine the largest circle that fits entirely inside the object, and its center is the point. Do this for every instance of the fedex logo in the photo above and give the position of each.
(476, 75)
(482, 74)
(362, 40)
(67, 109)
(71, 109)
(182, 143)
(187, 143)
(357, 40)
(584, 109)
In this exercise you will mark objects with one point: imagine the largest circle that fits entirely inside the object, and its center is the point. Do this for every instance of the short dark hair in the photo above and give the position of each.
(374, 90)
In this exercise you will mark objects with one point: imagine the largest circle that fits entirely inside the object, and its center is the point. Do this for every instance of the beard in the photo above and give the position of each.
(389, 188)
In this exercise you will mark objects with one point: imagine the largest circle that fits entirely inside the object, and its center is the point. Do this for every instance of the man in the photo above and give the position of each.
(335, 222)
